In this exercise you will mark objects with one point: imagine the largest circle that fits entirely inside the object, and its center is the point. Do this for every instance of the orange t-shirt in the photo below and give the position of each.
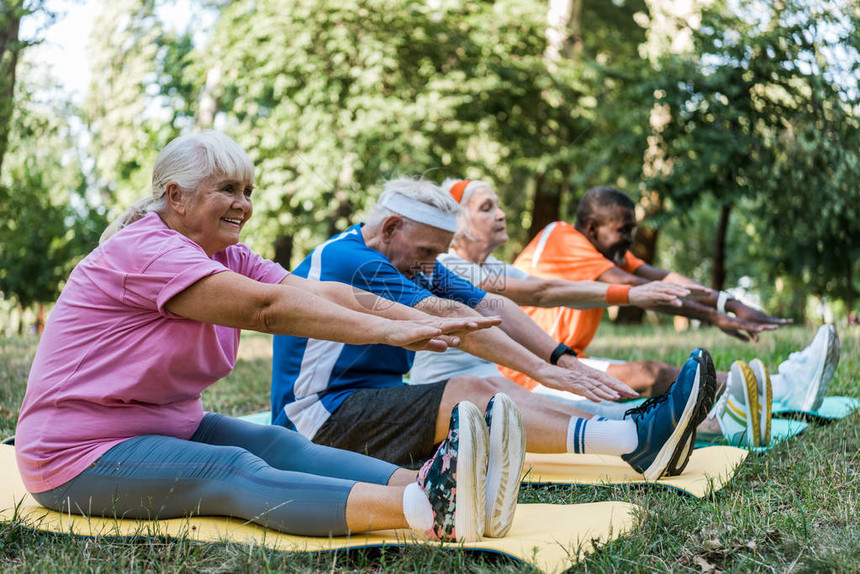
(562, 252)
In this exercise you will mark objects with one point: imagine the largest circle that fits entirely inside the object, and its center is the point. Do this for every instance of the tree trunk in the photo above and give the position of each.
(284, 251)
(718, 272)
(344, 209)
(547, 205)
(575, 42)
(563, 30)
(20, 309)
(209, 102)
(40, 319)
(849, 293)
(10, 22)
(645, 248)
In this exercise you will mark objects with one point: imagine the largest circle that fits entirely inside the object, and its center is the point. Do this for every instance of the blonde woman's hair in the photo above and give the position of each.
(187, 161)
(415, 188)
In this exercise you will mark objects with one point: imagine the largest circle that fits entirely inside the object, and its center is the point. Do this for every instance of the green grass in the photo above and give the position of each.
(795, 508)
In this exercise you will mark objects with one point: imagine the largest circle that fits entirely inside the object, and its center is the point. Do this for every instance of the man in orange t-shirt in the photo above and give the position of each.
(596, 248)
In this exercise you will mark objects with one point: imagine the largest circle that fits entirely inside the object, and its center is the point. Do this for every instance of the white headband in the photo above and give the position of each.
(420, 212)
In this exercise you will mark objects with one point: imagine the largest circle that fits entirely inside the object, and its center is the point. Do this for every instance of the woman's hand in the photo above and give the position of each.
(434, 334)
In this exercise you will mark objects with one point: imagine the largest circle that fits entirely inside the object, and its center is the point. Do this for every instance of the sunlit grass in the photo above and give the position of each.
(795, 508)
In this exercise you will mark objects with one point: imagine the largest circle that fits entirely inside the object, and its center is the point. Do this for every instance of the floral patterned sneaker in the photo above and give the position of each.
(455, 478)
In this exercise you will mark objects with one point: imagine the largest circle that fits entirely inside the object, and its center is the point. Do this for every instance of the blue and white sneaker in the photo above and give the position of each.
(682, 455)
(666, 425)
(505, 466)
(454, 480)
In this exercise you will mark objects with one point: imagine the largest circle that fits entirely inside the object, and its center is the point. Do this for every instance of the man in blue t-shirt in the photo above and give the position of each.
(354, 397)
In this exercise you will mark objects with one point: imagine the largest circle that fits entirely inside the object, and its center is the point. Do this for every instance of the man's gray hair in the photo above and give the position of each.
(415, 188)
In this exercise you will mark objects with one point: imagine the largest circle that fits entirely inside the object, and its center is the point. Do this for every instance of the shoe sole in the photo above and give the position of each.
(742, 372)
(505, 466)
(825, 372)
(676, 451)
(689, 442)
(471, 474)
(765, 389)
(682, 454)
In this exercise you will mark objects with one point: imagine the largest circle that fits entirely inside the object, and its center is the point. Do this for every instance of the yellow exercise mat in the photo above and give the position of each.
(548, 536)
(709, 470)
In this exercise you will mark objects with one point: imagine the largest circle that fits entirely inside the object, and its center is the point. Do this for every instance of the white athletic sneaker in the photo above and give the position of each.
(740, 410)
(807, 374)
(505, 465)
(765, 398)
(744, 409)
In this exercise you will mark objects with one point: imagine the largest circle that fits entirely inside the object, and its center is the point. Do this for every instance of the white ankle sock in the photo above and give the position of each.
(601, 436)
(779, 385)
(417, 509)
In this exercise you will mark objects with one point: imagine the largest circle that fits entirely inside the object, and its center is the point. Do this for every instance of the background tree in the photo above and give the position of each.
(705, 117)
(762, 116)
(139, 98)
(11, 47)
(334, 98)
(47, 222)
(594, 47)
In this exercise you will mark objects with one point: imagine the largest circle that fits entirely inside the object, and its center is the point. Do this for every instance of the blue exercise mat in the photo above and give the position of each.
(263, 418)
(831, 409)
(780, 429)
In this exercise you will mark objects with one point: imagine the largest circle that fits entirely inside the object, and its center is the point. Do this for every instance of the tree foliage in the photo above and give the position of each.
(749, 137)
(11, 47)
(139, 98)
(46, 221)
(762, 115)
(334, 98)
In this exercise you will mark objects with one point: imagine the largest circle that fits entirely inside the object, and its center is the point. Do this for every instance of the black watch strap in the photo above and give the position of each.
(562, 349)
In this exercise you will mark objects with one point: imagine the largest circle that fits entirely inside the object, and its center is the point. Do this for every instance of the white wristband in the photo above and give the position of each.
(722, 299)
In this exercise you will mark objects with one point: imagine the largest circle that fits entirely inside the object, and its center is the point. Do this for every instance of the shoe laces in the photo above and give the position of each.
(798, 356)
(648, 405)
(720, 405)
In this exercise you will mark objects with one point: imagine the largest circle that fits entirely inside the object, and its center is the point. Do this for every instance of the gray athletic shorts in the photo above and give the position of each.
(395, 424)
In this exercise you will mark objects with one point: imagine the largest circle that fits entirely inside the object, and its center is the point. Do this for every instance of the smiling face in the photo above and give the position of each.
(412, 247)
(487, 223)
(612, 235)
(214, 216)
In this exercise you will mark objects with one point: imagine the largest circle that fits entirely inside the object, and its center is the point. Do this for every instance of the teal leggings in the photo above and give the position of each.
(265, 474)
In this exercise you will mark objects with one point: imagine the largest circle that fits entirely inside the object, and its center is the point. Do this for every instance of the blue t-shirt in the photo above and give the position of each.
(310, 377)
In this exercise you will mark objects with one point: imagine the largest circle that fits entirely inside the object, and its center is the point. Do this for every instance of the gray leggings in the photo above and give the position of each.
(265, 474)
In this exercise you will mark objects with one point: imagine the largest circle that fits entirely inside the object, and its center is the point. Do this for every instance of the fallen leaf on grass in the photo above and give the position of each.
(707, 567)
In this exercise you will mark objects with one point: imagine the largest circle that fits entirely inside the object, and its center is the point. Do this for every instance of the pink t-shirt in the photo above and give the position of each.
(113, 363)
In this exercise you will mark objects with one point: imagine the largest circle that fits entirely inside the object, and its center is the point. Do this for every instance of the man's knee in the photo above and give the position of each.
(661, 375)
(649, 378)
(477, 390)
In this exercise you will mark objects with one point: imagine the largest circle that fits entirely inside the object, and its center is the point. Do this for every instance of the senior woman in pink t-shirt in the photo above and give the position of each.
(112, 422)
